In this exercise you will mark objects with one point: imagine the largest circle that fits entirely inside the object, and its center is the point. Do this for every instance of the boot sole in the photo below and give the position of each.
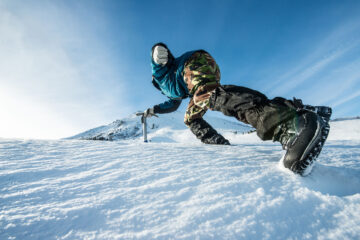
(312, 151)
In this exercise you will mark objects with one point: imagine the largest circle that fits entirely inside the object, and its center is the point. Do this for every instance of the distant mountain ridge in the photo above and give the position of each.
(131, 128)
(344, 119)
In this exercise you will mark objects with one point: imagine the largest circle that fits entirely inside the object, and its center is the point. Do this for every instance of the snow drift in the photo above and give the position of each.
(177, 188)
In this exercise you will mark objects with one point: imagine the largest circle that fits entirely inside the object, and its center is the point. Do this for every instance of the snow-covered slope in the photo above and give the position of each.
(177, 188)
(130, 127)
(347, 129)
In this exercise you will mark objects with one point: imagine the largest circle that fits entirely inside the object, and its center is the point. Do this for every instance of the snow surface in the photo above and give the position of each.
(177, 188)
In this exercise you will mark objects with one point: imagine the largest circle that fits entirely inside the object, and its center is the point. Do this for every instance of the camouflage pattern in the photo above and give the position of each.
(202, 76)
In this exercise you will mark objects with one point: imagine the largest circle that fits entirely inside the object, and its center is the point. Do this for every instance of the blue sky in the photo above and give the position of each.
(67, 66)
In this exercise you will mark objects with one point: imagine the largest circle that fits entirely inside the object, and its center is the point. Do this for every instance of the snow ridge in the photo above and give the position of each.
(175, 187)
(130, 127)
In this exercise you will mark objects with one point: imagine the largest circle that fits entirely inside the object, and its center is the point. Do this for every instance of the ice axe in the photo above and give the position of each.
(144, 125)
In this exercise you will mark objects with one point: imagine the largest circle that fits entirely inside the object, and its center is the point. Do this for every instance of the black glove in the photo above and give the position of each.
(216, 139)
(149, 112)
(206, 133)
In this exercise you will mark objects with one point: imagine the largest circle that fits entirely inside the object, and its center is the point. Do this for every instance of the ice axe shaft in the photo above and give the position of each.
(144, 125)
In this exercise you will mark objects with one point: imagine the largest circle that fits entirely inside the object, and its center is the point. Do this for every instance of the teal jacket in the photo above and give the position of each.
(169, 80)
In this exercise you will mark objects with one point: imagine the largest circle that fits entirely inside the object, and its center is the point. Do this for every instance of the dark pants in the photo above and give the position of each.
(252, 107)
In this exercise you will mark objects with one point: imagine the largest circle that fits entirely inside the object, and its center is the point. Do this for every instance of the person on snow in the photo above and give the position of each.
(301, 129)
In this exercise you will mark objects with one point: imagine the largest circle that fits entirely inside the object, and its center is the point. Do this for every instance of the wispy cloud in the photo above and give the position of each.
(307, 73)
(338, 83)
(336, 45)
(51, 62)
(347, 99)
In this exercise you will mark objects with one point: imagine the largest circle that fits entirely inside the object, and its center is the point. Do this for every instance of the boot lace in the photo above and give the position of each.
(286, 133)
